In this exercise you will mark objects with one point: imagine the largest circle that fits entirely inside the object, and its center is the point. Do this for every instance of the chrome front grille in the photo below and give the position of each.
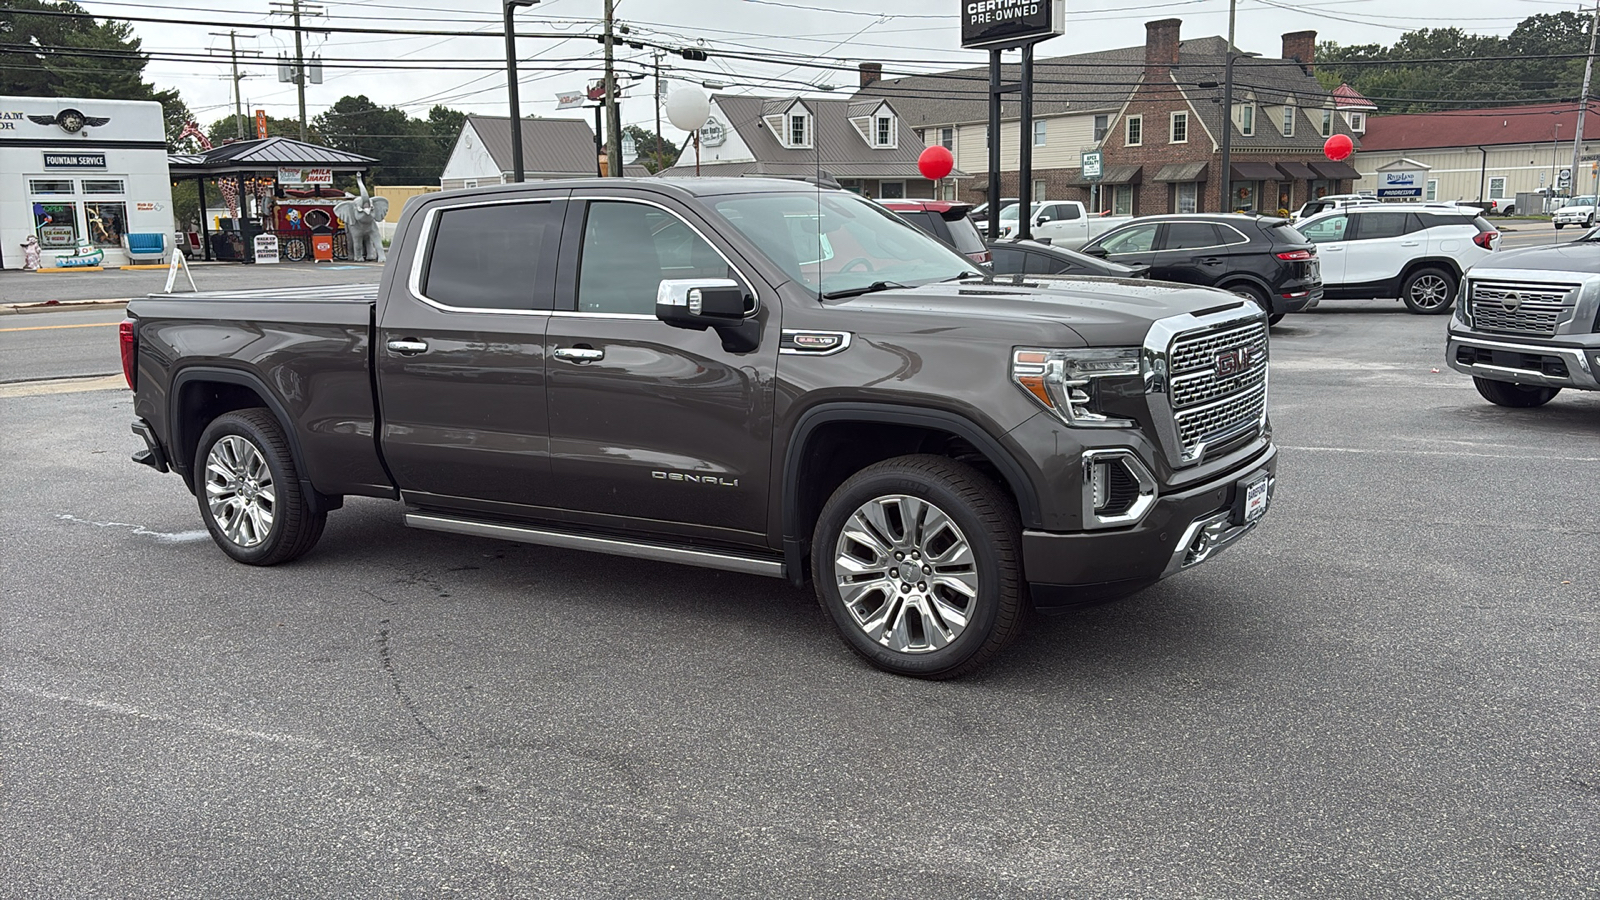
(1218, 390)
(1514, 308)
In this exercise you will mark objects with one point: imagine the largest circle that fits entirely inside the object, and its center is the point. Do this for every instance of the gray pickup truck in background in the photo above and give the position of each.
(744, 374)
(1528, 323)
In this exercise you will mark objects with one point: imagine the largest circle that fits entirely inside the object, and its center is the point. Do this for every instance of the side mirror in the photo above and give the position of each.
(720, 303)
(1099, 252)
(1042, 219)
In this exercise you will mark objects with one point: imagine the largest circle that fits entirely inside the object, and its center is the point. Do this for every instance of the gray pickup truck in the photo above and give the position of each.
(1528, 323)
(751, 375)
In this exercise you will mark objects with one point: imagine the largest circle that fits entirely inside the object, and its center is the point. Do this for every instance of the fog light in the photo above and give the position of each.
(1100, 485)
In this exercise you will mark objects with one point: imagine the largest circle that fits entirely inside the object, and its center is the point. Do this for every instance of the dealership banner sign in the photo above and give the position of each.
(998, 24)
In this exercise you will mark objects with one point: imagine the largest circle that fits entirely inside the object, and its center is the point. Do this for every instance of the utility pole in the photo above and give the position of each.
(658, 55)
(233, 52)
(1583, 100)
(613, 120)
(294, 9)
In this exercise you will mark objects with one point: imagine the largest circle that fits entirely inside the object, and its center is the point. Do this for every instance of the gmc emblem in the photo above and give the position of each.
(1232, 362)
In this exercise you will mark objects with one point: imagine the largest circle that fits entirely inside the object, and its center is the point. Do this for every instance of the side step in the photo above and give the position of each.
(709, 559)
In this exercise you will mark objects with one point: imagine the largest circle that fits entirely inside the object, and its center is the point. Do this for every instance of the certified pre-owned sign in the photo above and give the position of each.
(995, 24)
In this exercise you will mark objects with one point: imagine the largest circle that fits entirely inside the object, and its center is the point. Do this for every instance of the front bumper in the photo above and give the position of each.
(1183, 530)
(1524, 362)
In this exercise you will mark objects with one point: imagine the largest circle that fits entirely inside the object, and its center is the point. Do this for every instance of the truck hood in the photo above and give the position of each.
(1104, 312)
(1576, 257)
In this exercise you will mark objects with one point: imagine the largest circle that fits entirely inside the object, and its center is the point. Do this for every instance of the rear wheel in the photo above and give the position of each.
(250, 493)
(1259, 297)
(918, 561)
(1521, 396)
(1429, 291)
(1558, 226)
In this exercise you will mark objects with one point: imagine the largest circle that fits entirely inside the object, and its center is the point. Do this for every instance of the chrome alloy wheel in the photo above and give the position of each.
(906, 574)
(239, 490)
(1430, 292)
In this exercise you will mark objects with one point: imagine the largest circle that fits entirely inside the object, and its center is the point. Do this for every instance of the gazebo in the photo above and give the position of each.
(275, 169)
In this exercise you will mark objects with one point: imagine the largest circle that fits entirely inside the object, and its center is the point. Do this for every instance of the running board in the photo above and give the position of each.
(709, 559)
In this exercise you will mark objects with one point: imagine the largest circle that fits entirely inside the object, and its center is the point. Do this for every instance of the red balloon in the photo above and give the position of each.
(1339, 147)
(935, 163)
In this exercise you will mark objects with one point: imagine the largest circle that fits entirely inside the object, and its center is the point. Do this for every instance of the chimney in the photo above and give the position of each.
(870, 72)
(1161, 44)
(1300, 46)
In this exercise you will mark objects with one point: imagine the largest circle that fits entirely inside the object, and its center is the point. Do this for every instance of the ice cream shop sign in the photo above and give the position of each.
(305, 176)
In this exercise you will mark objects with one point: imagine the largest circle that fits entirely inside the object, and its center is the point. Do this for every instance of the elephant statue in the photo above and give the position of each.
(361, 217)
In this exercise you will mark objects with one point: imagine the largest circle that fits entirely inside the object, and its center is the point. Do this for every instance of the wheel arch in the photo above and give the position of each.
(199, 394)
(831, 442)
(1431, 262)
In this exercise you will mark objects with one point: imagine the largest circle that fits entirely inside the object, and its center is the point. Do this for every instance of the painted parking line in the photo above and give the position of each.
(63, 386)
(53, 327)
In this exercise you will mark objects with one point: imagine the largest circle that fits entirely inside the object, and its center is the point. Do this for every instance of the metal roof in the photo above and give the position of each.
(1539, 123)
(549, 146)
(267, 153)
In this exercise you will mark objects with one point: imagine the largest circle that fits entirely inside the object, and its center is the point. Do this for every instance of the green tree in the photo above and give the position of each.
(655, 152)
(223, 130)
(385, 133)
(75, 55)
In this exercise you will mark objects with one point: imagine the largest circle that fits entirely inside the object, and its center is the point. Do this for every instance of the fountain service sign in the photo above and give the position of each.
(998, 24)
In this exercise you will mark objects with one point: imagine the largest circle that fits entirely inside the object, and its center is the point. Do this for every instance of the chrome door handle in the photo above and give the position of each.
(408, 346)
(579, 354)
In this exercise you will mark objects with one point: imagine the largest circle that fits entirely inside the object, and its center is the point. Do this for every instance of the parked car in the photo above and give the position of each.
(742, 374)
(1528, 325)
(1258, 257)
(945, 221)
(1067, 223)
(1414, 252)
(1578, 210)
(1016, 257)
(980, 213)
(1330, 202)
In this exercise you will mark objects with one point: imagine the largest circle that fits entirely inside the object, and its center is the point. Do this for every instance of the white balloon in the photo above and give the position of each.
(688, 109)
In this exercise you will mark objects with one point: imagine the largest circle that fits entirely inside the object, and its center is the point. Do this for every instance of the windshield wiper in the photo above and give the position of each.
(964, 276)
(872, 288)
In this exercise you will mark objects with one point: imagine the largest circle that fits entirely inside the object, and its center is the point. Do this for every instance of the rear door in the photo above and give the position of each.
(1191, 252)
(460, 356)
(655, 428)
(1381, 247)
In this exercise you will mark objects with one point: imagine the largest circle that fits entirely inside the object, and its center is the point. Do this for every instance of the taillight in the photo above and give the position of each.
(130, 348)
(1485, 239)
(981, 258)
(1293, 255)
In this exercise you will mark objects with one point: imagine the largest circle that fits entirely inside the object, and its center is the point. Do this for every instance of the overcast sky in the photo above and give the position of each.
(924, 31)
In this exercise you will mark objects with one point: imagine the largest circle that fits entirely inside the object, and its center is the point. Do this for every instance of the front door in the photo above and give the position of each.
(653, 427)
(1134, 245)
(1381, 247)
(460, 357)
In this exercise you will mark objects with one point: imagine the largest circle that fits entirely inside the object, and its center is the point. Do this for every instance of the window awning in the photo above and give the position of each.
(1179, 172)
(1256, 171)
(1111, 175)
(1298, 171)
(1336, 170)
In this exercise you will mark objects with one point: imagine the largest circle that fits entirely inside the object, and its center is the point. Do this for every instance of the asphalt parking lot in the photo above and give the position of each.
(1388, 690)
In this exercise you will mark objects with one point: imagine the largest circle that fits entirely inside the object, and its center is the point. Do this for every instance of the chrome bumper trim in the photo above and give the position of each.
(1580, 372)
(1209, 535)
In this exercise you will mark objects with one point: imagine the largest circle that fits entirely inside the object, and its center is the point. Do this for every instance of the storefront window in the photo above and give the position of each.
(1245, 193)
(1184, 201)
(56, 224)
(1122, 200)
(1320, 189)
(102, 186)
(1283, 196)
(50, 186)
(105, 223)
(1433, 190)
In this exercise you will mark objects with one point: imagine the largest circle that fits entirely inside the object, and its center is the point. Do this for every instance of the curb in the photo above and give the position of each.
(10, 309)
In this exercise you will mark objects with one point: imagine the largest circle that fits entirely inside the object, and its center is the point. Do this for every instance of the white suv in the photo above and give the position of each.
(1576, 211)
(1413, 252)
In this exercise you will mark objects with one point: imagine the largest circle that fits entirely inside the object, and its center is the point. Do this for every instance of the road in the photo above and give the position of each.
(1387, 691)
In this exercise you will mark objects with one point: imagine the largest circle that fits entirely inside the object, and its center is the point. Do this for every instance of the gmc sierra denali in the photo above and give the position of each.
(1528, 323)
(751, 375)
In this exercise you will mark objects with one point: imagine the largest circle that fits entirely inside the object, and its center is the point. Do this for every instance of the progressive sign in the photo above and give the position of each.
(1400, 184)
(997, 24)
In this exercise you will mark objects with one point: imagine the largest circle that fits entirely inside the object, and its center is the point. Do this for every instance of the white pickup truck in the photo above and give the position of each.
(1065, 222)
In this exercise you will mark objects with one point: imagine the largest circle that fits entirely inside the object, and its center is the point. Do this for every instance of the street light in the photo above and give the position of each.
(511, 85)
(1227, 125)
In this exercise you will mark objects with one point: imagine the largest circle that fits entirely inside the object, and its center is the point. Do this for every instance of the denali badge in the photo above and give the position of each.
(713, 480)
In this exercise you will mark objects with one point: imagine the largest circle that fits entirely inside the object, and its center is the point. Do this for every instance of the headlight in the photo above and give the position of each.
(1066, 382)
(1464, 303)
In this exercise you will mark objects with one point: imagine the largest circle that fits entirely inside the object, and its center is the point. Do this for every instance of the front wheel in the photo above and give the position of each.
(1429, 292)
(1519, 396)
(250, 494)
(918, 561)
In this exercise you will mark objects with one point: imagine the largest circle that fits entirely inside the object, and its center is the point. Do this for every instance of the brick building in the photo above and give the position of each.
(1156, 115)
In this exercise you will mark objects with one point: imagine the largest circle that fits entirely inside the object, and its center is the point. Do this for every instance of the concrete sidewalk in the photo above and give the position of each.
(26, 291)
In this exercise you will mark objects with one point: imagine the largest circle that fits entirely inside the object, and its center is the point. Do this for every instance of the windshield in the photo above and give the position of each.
(1580, 201)
(835, 241)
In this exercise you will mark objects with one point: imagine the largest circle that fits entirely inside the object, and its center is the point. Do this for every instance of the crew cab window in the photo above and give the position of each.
(1326, 230)
(1137, 239)
(1190, 235)
(1060, 212)
(630, 248)
(1382, 225)
(492, 257)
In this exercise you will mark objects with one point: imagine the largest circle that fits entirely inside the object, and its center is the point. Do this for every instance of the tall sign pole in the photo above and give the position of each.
(613, 118)
(996, 26)
(1583, 98)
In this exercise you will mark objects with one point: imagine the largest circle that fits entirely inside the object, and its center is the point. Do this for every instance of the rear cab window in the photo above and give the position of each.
(494, 256)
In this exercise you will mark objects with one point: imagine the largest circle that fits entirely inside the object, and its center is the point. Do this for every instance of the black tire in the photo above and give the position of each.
(1518, 396)
(1590, 222)
(1258, 296)
(1509, 211)
(1558, 226)
(1429, 291)
(292, 527)
(984, 517)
